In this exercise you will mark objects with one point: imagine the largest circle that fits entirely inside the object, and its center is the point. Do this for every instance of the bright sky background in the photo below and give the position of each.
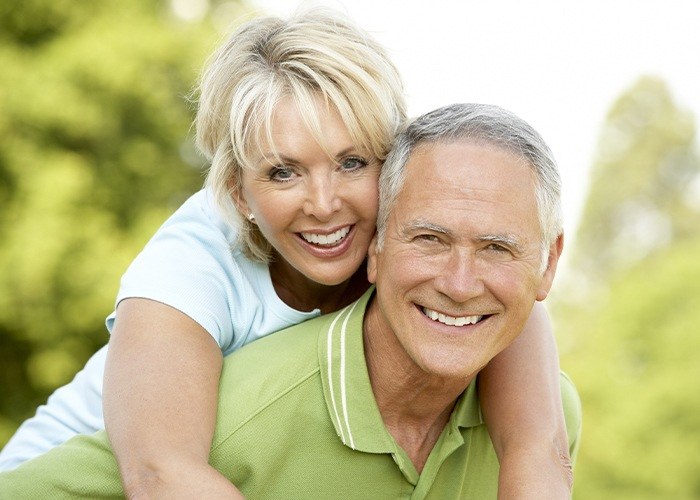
(559, 64)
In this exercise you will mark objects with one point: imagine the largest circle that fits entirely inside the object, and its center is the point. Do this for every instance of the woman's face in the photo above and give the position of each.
(317, 207)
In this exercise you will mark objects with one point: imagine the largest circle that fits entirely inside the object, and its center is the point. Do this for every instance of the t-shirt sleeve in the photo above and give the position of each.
(572, 414)
(189, 265)
(83, 467)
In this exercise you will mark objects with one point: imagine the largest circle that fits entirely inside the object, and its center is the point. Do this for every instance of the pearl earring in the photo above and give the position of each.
(251, 217)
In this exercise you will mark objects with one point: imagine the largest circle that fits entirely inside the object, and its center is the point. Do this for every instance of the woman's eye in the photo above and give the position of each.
(353, 163)
(281, 174)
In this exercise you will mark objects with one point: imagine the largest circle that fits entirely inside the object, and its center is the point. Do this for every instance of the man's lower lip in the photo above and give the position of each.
(326, 252)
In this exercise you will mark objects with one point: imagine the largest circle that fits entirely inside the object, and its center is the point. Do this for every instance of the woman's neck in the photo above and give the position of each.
(303, 294)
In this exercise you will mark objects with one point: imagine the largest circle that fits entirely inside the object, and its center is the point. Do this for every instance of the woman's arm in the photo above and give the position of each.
(160, 399)
(521, 400)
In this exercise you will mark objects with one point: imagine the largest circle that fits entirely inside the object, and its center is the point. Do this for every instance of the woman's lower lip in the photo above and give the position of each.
(328, 252)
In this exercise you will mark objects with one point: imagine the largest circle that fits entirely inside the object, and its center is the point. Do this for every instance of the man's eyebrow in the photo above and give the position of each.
(423, 225)
(507, 240)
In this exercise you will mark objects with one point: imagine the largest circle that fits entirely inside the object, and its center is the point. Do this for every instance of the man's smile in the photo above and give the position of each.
(451, 320)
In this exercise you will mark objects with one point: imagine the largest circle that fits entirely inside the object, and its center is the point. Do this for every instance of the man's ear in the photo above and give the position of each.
(555, 250)
(372, 260)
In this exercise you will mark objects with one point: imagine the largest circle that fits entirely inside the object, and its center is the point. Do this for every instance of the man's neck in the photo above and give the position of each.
(415, 406)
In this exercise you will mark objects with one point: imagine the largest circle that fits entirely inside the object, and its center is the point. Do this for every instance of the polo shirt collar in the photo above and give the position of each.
(348, 392)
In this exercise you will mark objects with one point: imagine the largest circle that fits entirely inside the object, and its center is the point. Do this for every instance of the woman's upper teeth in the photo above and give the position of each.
(326, 239)
(451, 320)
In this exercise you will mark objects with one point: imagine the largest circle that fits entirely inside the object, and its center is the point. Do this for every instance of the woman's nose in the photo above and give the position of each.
(322, 200)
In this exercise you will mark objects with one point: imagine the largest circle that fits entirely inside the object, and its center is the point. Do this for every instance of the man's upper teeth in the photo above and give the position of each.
(451, 320)
(326, 239)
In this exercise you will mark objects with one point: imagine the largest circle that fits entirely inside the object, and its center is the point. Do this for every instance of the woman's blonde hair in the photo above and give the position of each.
(314, 54)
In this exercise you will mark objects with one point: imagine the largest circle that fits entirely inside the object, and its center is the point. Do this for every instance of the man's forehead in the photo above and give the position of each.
(467, 165)
(449, 181)
(467, 146)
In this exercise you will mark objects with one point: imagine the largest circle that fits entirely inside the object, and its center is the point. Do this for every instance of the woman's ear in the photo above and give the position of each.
(238, 198)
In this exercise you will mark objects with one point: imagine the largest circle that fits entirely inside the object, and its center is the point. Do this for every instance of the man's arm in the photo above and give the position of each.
(83, 467)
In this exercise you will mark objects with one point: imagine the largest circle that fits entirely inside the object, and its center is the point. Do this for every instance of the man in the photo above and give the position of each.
(379, 399)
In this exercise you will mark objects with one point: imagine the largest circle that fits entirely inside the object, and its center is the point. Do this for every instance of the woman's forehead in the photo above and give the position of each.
(294, 124)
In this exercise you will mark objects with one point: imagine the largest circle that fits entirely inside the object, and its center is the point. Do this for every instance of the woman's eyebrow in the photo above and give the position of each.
(346, 151)
(273, 157)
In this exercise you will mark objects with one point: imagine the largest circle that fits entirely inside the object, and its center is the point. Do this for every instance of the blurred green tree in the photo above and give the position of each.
(627, 322)
(96, 151)
(641, 196)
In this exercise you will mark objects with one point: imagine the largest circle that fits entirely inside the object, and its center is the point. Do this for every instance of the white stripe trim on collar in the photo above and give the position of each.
(343, 393)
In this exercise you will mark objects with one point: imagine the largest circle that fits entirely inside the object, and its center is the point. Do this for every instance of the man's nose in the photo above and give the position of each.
(322, 199)
(460, 276)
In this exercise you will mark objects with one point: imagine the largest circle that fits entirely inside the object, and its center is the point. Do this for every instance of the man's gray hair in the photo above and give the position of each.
(480, 123)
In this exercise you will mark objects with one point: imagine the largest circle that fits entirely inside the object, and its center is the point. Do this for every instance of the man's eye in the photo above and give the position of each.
(281, 174)
(430, 238)
(353, 163)
(497, 248)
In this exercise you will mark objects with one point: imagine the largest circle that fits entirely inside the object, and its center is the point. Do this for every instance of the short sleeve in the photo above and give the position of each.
(189, 265)
(572, 414)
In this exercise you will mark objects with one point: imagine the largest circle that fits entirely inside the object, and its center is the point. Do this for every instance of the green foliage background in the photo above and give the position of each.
(96, 152)
(628, 316)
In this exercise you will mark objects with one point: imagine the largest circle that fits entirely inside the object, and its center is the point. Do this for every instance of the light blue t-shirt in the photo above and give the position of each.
(190, 264)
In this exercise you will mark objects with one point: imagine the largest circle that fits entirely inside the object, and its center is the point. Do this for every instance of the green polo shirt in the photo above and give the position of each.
(297, 419)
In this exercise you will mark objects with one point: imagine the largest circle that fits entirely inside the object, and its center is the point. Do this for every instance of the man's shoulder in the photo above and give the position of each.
(294, 345)
(280, 365)
(572, 412)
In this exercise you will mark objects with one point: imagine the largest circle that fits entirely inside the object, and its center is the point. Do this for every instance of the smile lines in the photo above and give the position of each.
(326, 239)
(451, 320)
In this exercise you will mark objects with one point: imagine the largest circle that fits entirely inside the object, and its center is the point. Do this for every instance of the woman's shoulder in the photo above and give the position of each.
(201, 214)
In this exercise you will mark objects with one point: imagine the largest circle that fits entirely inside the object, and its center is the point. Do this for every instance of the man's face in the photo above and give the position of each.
(459, 269)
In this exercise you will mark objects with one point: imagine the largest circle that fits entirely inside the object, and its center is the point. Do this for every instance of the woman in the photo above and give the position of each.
(296, 117)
